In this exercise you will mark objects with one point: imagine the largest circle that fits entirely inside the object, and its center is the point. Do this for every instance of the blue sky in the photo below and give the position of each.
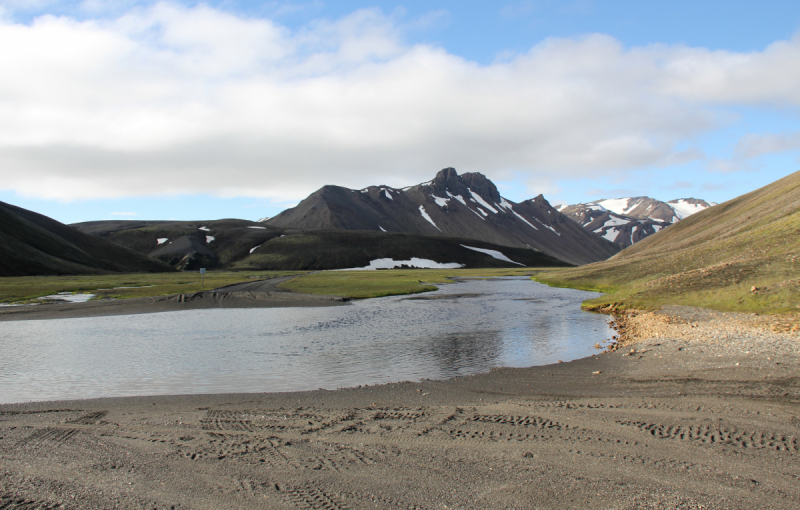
(158, 110)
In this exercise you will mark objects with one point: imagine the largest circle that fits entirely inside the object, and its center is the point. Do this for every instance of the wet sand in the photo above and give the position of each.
(257, 294)
(697, 410)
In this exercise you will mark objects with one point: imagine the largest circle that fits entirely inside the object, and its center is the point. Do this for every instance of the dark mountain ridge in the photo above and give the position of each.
(247, 245)
(32, 244)
(466, 206)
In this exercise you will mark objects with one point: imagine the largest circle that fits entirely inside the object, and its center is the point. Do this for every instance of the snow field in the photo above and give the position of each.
(414, 262)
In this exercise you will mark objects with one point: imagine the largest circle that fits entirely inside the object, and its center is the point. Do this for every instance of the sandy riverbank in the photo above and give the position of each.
(705, 413)
(256, 294)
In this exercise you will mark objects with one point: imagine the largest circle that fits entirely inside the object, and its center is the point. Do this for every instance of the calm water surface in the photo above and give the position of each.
(511, 322)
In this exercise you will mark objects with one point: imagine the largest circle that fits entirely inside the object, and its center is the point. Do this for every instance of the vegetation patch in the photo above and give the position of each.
(23, 289)
(390, 282)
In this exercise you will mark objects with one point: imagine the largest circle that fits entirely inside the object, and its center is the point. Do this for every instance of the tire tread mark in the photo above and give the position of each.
(49, 435)
(714, 433)
(90, 418)
(525, 421)
(18, 503)
(225, 420)
(312, 498)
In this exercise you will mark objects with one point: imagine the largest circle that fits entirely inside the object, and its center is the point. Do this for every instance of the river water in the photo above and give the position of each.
(461, 329)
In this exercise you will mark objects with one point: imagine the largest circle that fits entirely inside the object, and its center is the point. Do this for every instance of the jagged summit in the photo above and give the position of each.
(629, 220)
(467, 206)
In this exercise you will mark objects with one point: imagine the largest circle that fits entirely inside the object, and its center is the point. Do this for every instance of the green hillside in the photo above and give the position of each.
(712, 259)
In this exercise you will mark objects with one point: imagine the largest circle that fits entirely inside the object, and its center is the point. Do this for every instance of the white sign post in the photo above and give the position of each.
(203, 278)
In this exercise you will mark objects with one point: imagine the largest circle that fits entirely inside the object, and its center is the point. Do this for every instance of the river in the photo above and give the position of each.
(462, 329)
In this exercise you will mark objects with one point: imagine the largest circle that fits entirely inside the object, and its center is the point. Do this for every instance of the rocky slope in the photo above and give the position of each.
(629, 220)
(466, 206)
(32, 244)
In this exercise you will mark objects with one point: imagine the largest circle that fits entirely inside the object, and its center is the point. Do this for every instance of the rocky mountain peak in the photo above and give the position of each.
(479, 184)
(451, 205)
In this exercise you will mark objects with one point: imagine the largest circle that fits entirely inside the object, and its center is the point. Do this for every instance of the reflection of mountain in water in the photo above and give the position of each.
(462, 353)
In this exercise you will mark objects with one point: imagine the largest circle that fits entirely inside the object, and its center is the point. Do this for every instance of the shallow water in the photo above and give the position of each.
(461, 329)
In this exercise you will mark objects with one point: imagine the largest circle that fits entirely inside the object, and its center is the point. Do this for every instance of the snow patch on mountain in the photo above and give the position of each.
(492, 253)
(441, 202)
(611, 234)
(413, 262)
(617, 205)
(684, 208)
(520, 217)
(481, 201)
(545, 225)
(613, 221)
(457, 197)
(425, 215)
(162, 240)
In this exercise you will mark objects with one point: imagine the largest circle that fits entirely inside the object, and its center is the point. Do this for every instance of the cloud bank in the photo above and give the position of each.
(172, 99)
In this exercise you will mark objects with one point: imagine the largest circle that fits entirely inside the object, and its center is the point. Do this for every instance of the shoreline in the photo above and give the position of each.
(258, 294)
(704, 413)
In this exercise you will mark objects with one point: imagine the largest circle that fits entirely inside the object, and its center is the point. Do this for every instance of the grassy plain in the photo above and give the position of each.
(353, 284)
(20, 289)
(712, 259)
(390, 282)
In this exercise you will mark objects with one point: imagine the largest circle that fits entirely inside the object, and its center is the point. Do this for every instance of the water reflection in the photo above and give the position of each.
(455, 354)
(461, 329)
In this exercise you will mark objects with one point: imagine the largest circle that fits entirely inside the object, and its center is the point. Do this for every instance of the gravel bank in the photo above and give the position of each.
(692, 410)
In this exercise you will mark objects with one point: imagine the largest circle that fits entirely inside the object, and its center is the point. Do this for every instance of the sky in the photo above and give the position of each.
(122, 109)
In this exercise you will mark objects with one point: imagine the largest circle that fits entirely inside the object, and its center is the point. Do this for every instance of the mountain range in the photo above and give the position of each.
(246, 245)
(625, 221)
(451, 205)
(456, 220)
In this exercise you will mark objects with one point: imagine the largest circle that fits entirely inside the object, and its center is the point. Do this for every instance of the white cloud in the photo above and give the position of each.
(755, 145)
(168, 99)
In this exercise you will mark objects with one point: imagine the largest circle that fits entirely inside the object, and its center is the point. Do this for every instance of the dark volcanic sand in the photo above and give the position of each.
(678, 424)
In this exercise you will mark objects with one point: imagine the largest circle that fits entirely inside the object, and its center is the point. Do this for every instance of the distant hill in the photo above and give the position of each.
(242, 244)
(32, 244)
(464, 206)
(712, 258)
(629, 220)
